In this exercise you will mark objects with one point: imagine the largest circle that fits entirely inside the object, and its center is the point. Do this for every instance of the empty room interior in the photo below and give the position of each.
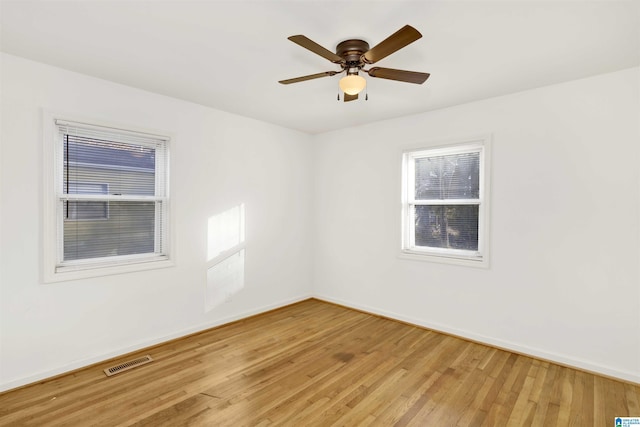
(320, 213)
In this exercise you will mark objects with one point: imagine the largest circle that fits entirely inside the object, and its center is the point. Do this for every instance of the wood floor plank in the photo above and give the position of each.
(318, 364)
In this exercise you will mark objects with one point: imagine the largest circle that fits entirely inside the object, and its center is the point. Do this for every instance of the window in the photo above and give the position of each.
(110, 194)
(444, 203)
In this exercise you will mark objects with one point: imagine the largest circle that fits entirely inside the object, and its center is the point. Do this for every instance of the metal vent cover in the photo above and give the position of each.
(128, 365)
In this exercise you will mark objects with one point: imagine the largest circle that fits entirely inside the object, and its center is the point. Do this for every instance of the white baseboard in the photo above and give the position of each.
(496, 342)
(43, 375)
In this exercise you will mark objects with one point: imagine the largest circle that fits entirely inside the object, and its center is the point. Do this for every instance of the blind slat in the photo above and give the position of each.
(88, 130)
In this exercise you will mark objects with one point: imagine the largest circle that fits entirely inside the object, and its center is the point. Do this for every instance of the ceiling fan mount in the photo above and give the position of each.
(351, 51)
(353, 55)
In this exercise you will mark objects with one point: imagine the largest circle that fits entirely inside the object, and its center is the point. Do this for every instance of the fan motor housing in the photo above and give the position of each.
(352, 50)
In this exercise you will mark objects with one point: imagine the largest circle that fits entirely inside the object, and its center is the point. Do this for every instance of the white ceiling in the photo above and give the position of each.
(230, 55)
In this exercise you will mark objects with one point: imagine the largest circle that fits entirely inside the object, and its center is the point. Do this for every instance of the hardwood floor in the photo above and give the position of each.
(317, 364)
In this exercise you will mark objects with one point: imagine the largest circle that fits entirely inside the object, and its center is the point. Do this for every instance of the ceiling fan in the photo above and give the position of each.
(354, 54)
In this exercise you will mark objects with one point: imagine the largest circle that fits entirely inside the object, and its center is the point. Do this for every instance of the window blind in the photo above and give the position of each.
(112, 195)
(443, 204)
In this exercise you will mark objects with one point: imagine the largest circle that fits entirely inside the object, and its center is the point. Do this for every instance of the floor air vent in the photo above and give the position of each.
(128, 365)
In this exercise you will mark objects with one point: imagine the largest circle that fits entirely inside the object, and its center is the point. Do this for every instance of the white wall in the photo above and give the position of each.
(218, 161)
(563, 282)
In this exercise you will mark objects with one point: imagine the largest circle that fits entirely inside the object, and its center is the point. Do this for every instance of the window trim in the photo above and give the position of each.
(52, 269)
(408, 250)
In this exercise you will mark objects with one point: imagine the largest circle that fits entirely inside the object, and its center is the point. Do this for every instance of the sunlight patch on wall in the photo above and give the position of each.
(226, 230)
(225, 256)
(224, 280)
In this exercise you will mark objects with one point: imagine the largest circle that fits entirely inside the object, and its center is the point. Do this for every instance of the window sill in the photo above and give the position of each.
(477, 262)
(99, 271)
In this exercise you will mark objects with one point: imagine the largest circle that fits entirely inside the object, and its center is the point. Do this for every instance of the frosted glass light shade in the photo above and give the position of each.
(352, 84)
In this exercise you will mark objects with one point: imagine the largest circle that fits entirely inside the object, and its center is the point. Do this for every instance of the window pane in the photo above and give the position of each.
(92, 165)
(129, 229)
(455, 176)
(449, 227)
(85, 210)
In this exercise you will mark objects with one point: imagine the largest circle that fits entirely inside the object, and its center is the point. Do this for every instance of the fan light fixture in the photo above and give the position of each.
(354, 56)
(352, 84)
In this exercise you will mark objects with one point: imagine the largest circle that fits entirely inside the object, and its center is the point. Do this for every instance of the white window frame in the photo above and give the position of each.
(56, 270)
(409, 250)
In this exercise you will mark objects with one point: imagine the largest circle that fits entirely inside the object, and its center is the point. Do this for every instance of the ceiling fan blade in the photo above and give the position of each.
(309, 77)
(399, 75)
(348, 97)
(393, 43)
(315, 48)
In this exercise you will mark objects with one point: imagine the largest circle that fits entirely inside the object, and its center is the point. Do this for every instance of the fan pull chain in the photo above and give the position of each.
(338, 96)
